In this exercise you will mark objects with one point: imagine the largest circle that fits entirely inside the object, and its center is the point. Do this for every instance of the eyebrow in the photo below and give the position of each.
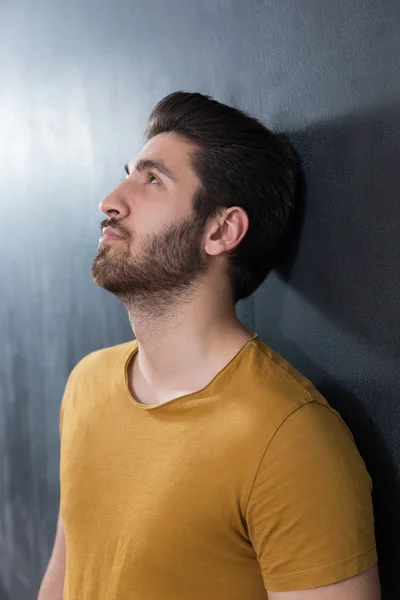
(151, 163)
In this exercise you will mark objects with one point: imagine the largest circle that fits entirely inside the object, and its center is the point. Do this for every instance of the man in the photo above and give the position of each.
(196, 462)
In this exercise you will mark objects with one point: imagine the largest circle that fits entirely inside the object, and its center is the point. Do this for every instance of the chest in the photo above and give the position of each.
(152, 477)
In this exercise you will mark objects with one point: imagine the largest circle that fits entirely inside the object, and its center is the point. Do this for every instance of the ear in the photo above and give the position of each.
(226, 230)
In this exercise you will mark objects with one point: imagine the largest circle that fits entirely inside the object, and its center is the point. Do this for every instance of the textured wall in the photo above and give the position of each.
(77, 82)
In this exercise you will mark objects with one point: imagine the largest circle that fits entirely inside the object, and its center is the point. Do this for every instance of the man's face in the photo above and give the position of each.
(157, 247)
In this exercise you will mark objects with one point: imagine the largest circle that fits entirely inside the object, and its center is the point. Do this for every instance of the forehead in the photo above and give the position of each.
(172, 149)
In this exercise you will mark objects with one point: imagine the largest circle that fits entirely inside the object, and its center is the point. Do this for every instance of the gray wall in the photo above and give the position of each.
(77, 82)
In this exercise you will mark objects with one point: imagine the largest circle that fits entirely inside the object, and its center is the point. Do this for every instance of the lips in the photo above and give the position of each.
(109, 234)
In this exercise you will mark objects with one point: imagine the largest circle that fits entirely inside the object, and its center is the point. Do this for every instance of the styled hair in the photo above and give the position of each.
(239, 162)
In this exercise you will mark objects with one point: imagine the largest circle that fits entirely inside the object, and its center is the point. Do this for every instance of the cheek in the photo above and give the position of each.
(159, 219)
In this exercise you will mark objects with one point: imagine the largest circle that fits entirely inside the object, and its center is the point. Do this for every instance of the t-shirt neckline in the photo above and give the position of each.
(135, 402)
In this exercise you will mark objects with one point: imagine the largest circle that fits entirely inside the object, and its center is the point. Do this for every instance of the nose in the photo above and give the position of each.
(115, 204)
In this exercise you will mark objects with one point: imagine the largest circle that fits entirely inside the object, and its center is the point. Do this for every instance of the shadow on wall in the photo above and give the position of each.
(350, 273)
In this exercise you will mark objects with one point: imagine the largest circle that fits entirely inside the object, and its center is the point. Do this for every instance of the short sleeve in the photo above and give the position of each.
(61, 418)
(67, 392)
(309, 515)
(63, 402)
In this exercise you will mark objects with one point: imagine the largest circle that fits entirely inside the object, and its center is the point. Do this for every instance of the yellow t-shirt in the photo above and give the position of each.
(253, 482)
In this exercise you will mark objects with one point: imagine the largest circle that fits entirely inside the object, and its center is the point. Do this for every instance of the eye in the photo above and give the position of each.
(151, 176)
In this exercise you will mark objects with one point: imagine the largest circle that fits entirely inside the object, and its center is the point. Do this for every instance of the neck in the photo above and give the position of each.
(184, 343)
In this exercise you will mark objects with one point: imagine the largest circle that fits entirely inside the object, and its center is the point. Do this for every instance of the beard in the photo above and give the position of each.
(165, 266)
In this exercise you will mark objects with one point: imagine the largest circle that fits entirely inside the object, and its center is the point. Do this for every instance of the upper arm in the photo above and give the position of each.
(59, 549)
(364, 586)
(309, 516)
(53, 580)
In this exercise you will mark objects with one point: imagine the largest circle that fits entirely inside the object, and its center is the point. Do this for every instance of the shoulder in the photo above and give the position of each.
(101, 361)
(278, 392)
(309, 512)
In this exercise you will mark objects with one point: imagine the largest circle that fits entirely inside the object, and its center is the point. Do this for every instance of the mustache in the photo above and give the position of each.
(116, 225)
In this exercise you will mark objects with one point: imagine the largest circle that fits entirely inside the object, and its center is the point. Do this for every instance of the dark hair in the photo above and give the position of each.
(239, 163)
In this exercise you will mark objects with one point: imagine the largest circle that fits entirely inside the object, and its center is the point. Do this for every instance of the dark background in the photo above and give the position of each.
(77, 81)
